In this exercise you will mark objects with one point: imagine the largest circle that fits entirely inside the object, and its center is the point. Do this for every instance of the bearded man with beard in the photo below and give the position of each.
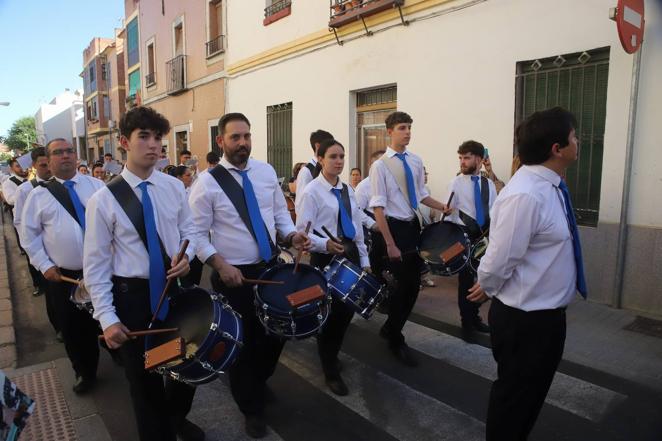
(474, 196)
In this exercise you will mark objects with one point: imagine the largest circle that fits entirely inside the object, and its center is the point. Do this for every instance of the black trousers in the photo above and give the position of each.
(332, 334)
(527, 347)
(79, 329)
(468, 309)
(407, 275)
(159, 404)
(258, 357)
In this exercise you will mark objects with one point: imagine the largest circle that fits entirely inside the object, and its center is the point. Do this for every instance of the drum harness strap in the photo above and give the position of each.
(62, 196)
(133, 208)
(398, 171)
(314, 169)
(16, 181)
(235, 193)
(474, 229)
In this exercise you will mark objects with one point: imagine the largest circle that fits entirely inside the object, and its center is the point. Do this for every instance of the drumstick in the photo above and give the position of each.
(146, 332)
(448, 204)
(331, 236)
(70, 280)
(180, 256)
(298, 259)
(263, 282)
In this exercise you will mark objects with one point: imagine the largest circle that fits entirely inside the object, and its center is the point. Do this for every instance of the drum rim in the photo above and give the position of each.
(466, 240)
(304, 309)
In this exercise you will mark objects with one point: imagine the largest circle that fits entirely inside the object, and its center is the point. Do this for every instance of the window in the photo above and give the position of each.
(215, 43)
(279, 138)
(106, 107)
(92, 74)
(150, 78)
(179, 39)
(103, 71)
(181, 143)
(372, 108)
(134, 82)
(109, 75)
(276, 9)
(94, 113)
(577, 82)
(133, 52)
(213, 133)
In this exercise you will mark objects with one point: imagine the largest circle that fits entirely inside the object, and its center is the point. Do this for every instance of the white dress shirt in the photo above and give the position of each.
(113, 246)
(319, 205)
(50, 235)
(9, 189)
(20, 197)
(213, 210)
(303, 178)
(529, 263)
(463, 200)
(385, 190)
(362, 195)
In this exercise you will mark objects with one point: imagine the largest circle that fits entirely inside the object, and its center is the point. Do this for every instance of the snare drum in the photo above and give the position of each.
(360, 290)
(445, 247)
(275, 312)
(477, 252)
(81, 298)
(212, 332)
(285, 256)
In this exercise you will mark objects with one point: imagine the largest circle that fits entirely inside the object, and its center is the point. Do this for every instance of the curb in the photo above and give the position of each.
(7, 337)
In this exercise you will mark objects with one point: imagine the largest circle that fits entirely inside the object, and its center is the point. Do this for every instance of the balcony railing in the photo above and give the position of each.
(215, 46)
(150, 79)
(176, 75)
(276, 7)
(343, 12)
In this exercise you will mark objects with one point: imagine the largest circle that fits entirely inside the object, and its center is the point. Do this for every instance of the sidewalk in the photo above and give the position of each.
(596, 337)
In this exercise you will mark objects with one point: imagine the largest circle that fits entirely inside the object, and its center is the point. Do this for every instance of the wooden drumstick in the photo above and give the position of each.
(448, 204)
(298, 259)
(331, 236)
(180, 256)
(263, 282)
(146, 332)
(70, 280)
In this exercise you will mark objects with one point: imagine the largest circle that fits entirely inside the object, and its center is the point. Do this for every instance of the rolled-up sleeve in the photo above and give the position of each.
(32, 232)
(514, 223)
(98, 258)
(378, 185)
(308, 213)
(201, 201)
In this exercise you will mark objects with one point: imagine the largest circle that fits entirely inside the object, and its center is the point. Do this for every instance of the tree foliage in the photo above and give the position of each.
(21, 134)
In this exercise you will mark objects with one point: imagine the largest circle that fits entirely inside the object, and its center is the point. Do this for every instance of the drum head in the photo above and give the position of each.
(192, 312)
(285, 256)
(439, 237)
(275, 296)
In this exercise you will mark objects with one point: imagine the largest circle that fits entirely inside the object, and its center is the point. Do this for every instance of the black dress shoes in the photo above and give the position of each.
(404, 355)
(337, 385)
(476, 325)
(256, 427)
(83, 385)
(187, 431)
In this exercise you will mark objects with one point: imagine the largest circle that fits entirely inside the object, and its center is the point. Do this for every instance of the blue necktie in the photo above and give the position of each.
(478, 202)
(576, 245)
(256, 218)
(411, 188)
(346, 224)
(157, 272)
(78, 205)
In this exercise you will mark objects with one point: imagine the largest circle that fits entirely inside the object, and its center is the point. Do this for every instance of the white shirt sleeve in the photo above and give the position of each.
(32, 234)
(378, 188)
(308, 213)
(303, 179)
(21, 197)
(510, 236)
(359, 239)
(98, 258)
(201, 201)
(282, 218)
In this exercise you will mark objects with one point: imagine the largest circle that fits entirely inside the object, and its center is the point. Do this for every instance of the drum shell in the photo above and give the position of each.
(348, 283)
(439, 236)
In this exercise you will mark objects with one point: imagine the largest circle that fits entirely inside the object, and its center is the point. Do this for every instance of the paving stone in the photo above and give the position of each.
(7, 357)
(5, 305)
(6, 318)
(7, 335)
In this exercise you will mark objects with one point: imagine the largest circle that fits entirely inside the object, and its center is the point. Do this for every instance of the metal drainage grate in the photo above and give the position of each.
(51, 419)
(646, 326)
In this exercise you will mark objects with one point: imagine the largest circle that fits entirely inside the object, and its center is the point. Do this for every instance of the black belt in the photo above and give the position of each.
(537, 311)
(74, 274)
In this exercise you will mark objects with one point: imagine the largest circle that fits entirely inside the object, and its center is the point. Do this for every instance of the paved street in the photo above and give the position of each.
(445, 398)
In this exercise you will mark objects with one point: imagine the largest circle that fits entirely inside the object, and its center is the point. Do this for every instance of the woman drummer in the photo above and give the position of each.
(329, 204)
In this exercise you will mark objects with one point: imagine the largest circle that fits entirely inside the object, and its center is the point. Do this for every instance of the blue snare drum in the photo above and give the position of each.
(274, 311)
(212, 331)
(360, 290)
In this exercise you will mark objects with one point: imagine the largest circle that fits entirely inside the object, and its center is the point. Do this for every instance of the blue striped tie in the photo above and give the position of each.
(78, 205)
(478, 202)
(346, 224)
(411, 188)
(576, 245)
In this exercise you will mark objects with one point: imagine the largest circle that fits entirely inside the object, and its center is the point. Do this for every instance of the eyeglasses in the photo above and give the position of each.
(60, 152)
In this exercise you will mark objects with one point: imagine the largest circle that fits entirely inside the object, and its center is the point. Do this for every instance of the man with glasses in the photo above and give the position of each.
(52, 227)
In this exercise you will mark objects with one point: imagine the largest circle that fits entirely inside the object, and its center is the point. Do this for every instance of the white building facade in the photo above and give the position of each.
(62, 117)
(467, 69)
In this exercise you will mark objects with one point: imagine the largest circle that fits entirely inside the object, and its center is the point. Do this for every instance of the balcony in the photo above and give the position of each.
(277, 10)
(176, 75)
(215, 46)
(150, 79)
(343, 12)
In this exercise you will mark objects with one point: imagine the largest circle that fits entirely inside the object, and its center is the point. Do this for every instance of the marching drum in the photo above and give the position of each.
(360, 290)
(211, 330)
(276, 312)
(445, 247)
(285, 256)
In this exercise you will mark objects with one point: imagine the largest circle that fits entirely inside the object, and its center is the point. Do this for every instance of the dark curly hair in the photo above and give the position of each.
(144, 118)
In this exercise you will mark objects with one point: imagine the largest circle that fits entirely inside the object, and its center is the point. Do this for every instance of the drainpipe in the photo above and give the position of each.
(617, 297)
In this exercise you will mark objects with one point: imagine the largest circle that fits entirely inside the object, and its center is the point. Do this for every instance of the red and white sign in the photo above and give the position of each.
(630, 24)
